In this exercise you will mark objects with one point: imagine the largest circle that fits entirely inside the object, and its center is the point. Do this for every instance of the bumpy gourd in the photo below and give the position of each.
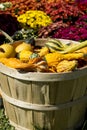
(43, 51)
(54, 58)
(66, 66)
(24, 55)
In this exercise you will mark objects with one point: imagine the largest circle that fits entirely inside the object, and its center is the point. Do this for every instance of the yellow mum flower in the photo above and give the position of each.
(34, 19)
(22, 18)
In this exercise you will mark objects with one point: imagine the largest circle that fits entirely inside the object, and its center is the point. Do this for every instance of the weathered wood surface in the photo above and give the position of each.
(45, 95)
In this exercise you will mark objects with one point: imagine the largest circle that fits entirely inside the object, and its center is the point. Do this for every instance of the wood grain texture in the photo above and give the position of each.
(44, 93)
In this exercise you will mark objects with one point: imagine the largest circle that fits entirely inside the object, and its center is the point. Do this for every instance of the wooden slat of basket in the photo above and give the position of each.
(45, 93)
(80, 90)
(4, 82)
(45, 90)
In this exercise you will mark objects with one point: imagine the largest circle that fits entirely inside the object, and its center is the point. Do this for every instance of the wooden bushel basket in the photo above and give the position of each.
(44, 101)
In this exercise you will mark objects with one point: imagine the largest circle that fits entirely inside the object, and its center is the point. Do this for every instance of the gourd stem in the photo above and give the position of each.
(75, 47)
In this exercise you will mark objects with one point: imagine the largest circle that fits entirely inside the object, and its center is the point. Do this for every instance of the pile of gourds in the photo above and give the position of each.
(54, 56)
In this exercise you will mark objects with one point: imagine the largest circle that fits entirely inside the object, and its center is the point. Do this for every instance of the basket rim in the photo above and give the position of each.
(39, 76)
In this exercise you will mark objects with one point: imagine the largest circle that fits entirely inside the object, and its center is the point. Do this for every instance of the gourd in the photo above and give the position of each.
(75, 47)
(23, 46)
(54, 58)
(65, 66)
(17, 64)
(43, 51)
(7, 50)
(56, 45)
(24, 55)
(27, 44)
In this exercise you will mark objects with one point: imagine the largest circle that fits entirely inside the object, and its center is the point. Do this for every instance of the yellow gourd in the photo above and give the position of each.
(7, 50)
(66, 66)
(24, 55)
(23, 46)
(43, 51)
(54, 58)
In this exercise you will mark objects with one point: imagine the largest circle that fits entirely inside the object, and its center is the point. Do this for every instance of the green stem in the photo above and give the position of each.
(74, 47)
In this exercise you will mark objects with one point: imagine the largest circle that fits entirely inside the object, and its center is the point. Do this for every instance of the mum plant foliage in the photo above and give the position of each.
(63, 11)
(72, 18)
(77, 32)
(82, 4)
(34, 19)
